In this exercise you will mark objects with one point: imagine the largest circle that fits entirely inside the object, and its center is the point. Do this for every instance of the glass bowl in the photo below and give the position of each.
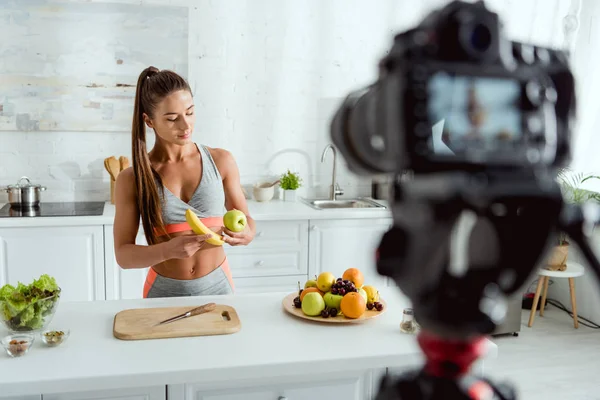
(32, 317)
(18, 345)
(54, 337)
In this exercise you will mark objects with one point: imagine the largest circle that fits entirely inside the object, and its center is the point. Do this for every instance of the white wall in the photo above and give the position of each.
(267, 75)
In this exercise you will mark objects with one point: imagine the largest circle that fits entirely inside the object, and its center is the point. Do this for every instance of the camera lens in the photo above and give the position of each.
(481, 38)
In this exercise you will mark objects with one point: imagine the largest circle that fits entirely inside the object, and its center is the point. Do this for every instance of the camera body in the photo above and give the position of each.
(454, 95)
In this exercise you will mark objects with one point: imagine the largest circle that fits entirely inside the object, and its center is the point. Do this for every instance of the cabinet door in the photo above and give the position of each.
(36, 397)
(336, 245)
(145, 393)
(122, 283)
(74, 255)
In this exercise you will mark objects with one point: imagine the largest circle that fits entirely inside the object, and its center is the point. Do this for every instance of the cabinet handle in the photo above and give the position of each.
(282, 398)
(314, 227)
(260, 263)
(259, 234)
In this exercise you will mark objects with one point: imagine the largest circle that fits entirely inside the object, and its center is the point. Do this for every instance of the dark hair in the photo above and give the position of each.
(153, 85)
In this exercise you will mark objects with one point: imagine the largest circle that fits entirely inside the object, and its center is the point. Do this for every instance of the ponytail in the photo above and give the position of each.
(146, 186)
(152, 86)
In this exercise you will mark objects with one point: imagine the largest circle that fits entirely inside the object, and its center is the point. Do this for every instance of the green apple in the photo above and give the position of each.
(333, 300)
(313, 304)
(310, 283)
(363, 293)
(235, 220)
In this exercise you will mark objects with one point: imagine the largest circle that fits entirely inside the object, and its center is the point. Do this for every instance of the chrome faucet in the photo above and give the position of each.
(335, 189)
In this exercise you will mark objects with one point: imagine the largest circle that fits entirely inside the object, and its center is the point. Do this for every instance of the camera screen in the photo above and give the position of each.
(473, 114)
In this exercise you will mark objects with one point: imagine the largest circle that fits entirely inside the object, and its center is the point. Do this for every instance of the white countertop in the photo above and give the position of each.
(93, 359)
(260, 211)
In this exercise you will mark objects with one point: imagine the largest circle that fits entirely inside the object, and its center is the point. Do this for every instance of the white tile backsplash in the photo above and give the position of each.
(266, 75)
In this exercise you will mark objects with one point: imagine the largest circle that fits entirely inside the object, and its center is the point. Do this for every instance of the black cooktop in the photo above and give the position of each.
(62, 209)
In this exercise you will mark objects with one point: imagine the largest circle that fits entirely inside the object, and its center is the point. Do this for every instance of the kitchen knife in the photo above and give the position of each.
(194, 311)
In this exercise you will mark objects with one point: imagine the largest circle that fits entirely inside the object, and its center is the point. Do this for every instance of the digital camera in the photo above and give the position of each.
(454, 94)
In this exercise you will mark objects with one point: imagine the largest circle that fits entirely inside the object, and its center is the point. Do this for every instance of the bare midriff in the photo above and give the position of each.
(206, 260)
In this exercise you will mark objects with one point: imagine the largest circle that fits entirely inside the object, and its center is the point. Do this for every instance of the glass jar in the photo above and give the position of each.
(408, 324)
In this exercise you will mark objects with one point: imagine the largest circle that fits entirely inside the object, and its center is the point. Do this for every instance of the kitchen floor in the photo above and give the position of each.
(551, 360)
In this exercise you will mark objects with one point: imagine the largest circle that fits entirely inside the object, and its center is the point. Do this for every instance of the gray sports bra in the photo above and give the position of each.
(207, 201)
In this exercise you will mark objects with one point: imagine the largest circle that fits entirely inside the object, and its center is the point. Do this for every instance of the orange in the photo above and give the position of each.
(308, 290)
(353, 305)
(355, 276)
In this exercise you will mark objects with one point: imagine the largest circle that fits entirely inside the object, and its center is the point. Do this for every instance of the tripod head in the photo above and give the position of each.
(467, 243)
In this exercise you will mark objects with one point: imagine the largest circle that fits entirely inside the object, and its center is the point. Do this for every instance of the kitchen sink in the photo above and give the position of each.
(321, 204)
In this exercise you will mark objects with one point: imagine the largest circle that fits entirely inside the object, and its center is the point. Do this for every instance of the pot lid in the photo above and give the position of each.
(27, 184)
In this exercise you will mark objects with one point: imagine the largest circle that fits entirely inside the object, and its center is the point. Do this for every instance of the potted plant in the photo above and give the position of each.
(558, 258)
(290, 182)
(570, 184)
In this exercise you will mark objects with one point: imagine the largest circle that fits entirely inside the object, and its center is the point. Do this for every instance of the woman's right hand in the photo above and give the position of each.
(185, 246)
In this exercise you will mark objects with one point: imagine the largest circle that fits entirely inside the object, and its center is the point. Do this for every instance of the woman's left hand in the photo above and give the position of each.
(242, 238)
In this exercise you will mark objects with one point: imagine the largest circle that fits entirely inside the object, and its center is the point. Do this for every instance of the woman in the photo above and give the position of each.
(161, 185)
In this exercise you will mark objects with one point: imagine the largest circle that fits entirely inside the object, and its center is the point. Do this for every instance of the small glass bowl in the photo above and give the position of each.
(54, 337)
(18, 344)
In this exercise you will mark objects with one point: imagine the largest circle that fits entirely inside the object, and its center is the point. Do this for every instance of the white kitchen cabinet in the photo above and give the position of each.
(74, 255)
(268, 284)
(145, 393)
(38, 397)
(336, 245)
(342, 389)
(275, 261)
(357, 386)
(122, 283)
(279, 248)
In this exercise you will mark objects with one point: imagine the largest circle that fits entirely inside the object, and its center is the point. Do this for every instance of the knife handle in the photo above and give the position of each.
(203, 309)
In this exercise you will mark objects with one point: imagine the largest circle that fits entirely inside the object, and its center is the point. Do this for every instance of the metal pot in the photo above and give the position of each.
(24, 195)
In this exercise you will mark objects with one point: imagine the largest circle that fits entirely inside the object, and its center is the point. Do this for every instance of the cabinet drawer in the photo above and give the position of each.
(279, 234)
(38, 397)
(268, 284)
(267, 263)
(144, 393)
(350, 388)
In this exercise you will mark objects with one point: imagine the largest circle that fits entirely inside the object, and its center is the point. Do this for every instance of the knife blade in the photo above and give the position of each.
(194, 311)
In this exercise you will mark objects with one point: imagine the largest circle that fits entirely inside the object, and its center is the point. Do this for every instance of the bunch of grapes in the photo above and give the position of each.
(376, 305)
(342, 287)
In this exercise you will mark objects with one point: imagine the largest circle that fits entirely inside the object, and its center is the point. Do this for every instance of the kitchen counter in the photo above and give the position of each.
(92, 359)
(260, 211)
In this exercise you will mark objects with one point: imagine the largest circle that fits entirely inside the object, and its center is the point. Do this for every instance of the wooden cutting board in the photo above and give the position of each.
(138, 323)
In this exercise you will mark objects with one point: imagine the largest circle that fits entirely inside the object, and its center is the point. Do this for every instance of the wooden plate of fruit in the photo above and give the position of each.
(336, 300)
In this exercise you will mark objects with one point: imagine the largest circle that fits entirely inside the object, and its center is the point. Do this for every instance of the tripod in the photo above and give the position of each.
(451, 343)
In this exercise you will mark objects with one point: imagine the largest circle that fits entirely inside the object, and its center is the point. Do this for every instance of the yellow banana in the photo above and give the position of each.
(200, 229)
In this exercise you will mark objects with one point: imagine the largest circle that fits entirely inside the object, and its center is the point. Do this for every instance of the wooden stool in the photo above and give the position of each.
(573, 270)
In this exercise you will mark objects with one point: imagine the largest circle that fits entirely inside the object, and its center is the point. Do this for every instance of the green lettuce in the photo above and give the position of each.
(45, 283)
(6, 291)
(25, 306)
